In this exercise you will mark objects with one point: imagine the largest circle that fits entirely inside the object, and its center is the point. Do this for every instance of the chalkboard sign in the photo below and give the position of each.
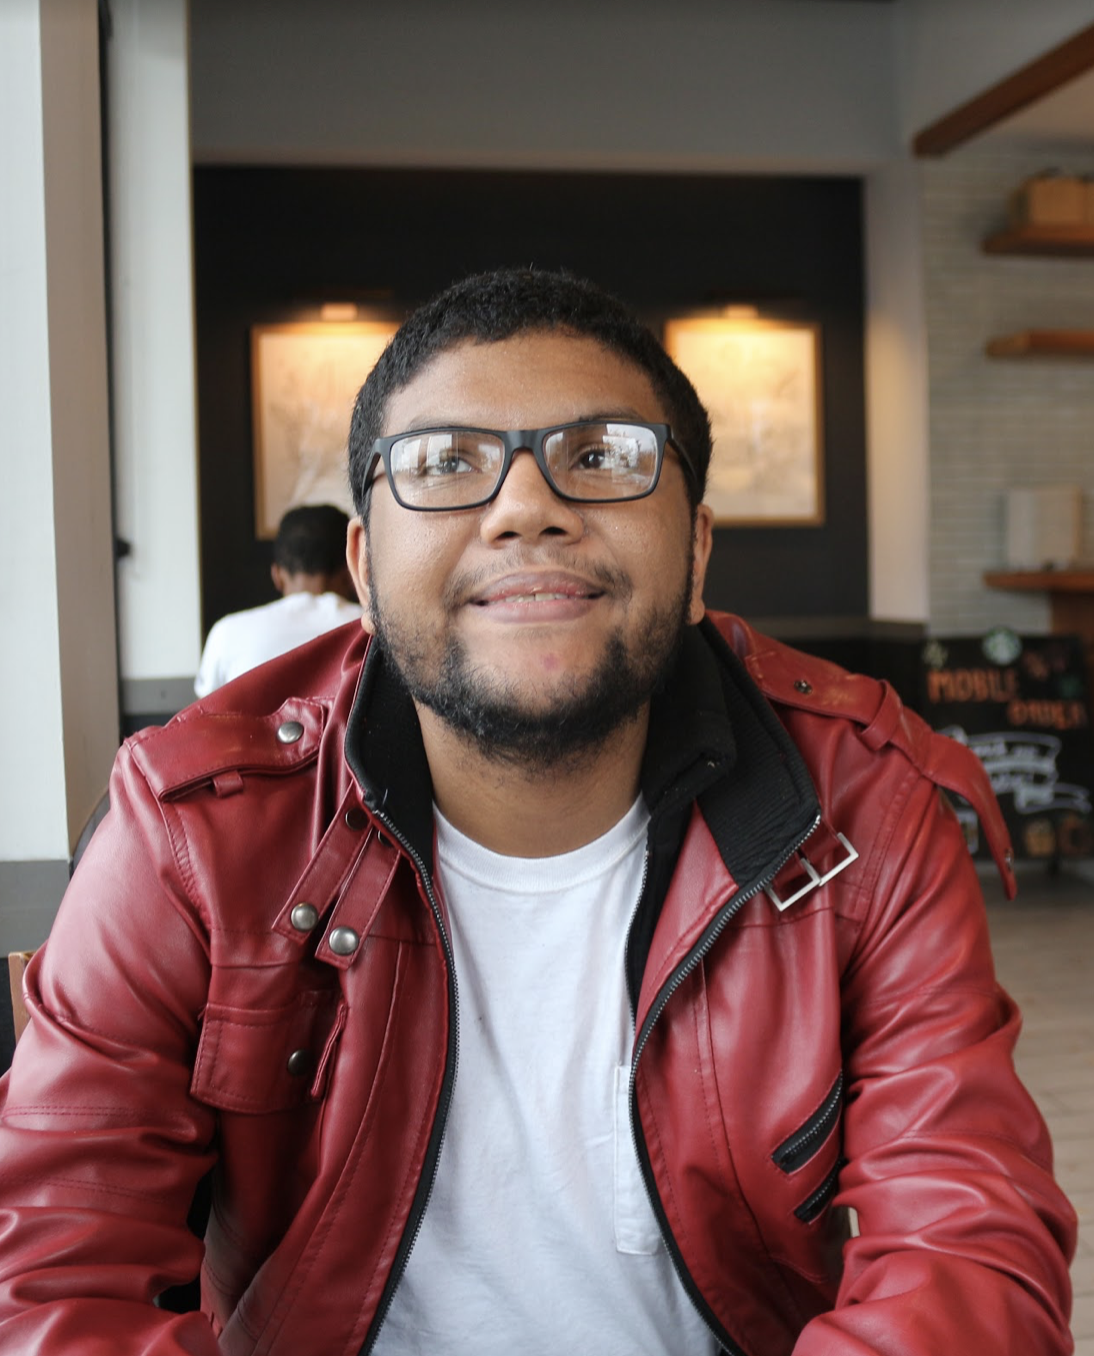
(1022, 704)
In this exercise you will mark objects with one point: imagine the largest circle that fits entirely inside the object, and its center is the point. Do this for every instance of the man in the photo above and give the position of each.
(309, 572)
(554, 970)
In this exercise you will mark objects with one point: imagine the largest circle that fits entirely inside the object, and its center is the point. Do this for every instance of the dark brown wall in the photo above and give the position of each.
(271, 242)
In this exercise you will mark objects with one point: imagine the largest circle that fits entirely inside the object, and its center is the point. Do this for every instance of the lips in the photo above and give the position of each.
(532, 589)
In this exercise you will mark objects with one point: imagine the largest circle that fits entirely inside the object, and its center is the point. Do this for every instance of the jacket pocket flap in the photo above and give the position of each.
(266, 1059)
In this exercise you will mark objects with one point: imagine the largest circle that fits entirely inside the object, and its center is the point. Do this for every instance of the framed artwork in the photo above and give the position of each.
(760, 382)
(304, 379)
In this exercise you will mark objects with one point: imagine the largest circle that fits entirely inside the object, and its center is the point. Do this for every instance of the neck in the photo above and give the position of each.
(542, 812)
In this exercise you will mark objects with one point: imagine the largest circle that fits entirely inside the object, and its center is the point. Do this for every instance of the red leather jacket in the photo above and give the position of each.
(250, 974)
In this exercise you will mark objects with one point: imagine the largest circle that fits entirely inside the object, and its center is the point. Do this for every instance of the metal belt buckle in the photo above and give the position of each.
(815, 879)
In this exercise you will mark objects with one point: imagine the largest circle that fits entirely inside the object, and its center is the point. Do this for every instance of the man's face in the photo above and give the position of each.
(534, 625)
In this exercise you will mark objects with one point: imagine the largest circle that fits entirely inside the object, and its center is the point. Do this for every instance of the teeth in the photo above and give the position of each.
(535, 597)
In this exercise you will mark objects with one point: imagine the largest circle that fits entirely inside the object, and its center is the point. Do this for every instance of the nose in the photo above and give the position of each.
(526, 506)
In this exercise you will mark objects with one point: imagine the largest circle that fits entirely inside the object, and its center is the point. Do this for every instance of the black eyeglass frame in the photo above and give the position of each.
(522, 440)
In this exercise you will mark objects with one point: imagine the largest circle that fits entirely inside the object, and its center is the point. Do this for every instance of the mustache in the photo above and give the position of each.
(468, 583)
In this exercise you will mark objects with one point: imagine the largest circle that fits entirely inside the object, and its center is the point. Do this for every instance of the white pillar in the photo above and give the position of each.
(58, 676)
(155, 438)
(897, 397)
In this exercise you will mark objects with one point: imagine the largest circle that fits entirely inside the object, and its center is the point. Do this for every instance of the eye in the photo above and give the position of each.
(443, 455)
(450, 464)
(595, 456)
(615, 452)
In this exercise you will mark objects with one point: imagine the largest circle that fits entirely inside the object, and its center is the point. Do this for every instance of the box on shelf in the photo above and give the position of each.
(1050, 200)
(1044, 526)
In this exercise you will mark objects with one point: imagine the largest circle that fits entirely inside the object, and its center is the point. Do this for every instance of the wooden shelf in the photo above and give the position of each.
(1044, 240)
(1042, 344)
(1042, 581)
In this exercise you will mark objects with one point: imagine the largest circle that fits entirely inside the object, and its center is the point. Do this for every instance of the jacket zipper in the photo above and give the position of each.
(414, 1225)
(683, 970)
(800, 1147)
(812, 1206)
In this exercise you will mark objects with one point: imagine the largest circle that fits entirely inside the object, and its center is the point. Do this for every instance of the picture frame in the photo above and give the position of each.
(304, 379)
(760, 381)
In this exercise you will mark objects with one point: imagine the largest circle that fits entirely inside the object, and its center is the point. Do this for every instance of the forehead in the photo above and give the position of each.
(527, 381)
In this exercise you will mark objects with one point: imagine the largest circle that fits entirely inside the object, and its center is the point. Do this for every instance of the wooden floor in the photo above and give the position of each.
(1044, 954)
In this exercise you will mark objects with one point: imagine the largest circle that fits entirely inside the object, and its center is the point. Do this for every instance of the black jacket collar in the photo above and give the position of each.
(713, 738)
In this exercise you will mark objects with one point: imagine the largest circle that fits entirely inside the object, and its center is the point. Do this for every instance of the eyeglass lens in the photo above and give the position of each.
(594, 461)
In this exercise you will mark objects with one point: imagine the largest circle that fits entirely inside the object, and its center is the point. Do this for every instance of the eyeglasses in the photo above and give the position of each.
(602, 461)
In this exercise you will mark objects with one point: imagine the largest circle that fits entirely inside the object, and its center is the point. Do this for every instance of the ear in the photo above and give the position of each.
(277, 574)
(357, 564)
(702, 541)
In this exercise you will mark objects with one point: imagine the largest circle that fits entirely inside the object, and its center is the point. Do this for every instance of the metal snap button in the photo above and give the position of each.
(299, 1063)
(802, 686)
(304, 917)
(344, 941)
(289, 731)
(355, 818)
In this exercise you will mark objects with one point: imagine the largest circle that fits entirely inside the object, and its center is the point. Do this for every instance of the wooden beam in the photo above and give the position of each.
(1063, 63)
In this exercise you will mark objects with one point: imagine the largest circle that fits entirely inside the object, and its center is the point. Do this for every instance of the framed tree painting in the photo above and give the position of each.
(760, 382)
(304, 379)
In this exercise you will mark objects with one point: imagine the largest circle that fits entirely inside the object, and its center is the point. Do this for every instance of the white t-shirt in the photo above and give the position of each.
(539, 1237)
(243, 640)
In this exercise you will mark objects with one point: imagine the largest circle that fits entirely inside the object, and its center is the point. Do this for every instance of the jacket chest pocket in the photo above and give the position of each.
(256, 1060)
(813, 1151)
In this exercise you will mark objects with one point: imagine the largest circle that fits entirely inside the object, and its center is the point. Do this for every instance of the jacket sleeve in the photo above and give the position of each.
(964, 1238)
(101, 1143)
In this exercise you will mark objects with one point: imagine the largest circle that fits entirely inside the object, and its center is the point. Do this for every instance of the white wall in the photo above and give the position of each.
(635, 84)
(155, 437)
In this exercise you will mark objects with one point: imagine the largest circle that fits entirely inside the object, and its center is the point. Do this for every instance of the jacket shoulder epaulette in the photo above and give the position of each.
(198, 745)
(791, 678)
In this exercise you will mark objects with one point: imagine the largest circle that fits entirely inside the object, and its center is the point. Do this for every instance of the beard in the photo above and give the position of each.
(504, 725)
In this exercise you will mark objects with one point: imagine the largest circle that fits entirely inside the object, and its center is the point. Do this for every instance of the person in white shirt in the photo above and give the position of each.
(309, 571)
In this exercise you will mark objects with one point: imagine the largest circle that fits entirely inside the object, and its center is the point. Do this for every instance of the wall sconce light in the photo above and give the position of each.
(338, 310)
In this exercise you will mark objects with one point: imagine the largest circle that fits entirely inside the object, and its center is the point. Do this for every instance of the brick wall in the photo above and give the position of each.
(997, 423)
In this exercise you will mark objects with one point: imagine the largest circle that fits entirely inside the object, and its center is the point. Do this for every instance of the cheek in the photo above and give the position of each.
(412, 559)
(655, 555)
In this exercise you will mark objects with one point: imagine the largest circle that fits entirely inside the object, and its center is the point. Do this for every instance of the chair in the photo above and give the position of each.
(13, 1015)
(17, 963)
(13, 1020)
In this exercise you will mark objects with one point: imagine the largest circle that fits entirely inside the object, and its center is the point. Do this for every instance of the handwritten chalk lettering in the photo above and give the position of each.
(1024, 767)
(972, 685)
(1053, 714)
